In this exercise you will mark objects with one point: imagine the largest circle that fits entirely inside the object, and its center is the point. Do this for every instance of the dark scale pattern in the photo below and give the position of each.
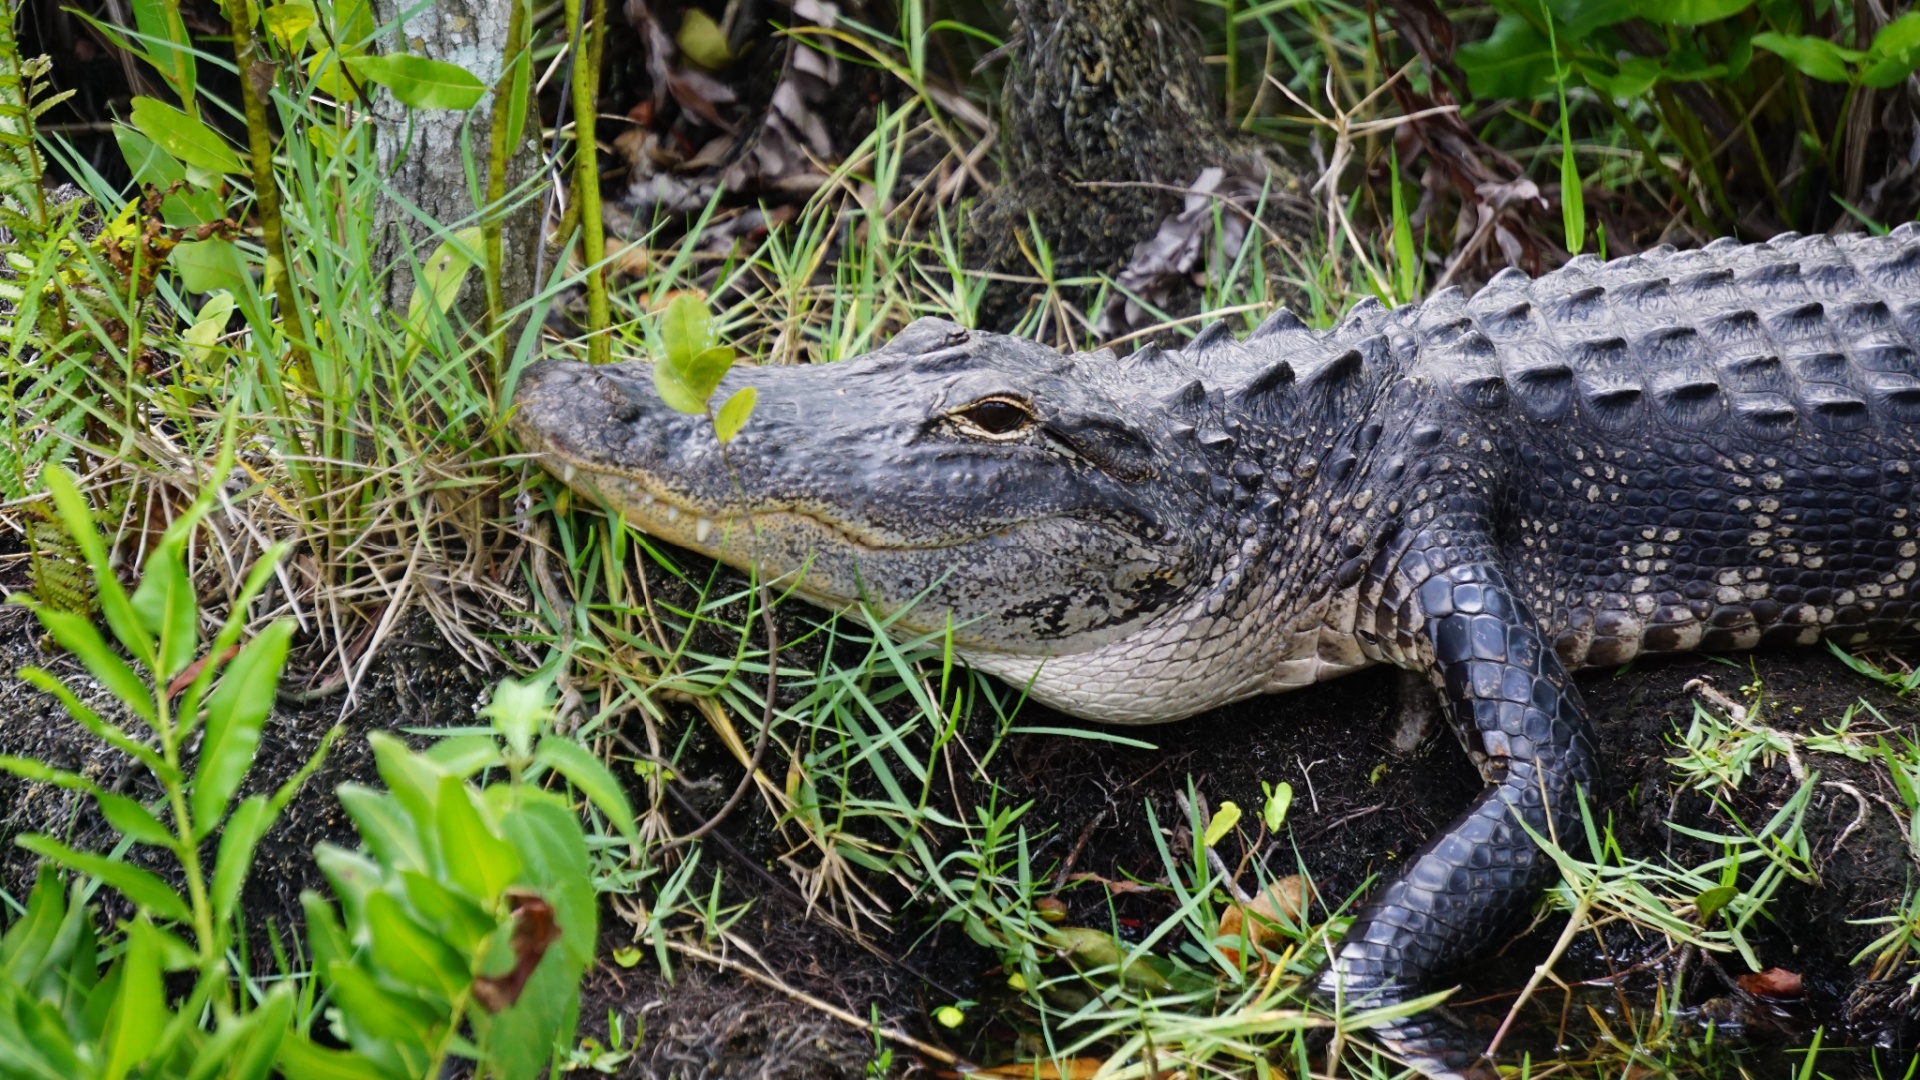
(1709, 449)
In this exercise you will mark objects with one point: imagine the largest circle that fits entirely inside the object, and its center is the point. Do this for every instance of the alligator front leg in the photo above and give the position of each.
(1465, 888)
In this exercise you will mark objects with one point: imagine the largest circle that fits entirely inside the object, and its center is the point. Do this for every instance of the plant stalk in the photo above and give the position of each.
(586, 173)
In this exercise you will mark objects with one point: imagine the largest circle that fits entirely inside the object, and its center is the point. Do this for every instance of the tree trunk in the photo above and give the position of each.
(1102, 92)
(423, 158)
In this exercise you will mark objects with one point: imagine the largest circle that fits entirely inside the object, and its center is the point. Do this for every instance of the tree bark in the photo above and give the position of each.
(1101, 92)
(422, 156)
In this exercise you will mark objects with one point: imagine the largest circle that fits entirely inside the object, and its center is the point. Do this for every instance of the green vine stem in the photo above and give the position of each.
(256, 82)
(586, 174)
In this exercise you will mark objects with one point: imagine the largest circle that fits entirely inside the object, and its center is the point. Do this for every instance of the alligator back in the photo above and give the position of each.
(1704, 449)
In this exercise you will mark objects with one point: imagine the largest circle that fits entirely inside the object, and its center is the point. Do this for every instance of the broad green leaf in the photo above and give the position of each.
(420, 83)
(401, 1026)
(139, 1008)
(236, 710)
(209, 324)
(411, 778)
(439, 281)
(1580, 17)
(1894, 54)
(1514, 61)
(326, 939)
(591, 776)
(1279, 800)
(517, 94)
(250, 821)
(1224, 819)
(168, 609)
(144, 888)
(168, 47)
(406, 953)
(475, 859)
(329, 76)
(1709, 903)
(547, 835)
(289, 23)
(1636, 75)
(674, 390)
(701, 40)
(351, 874)
(299, 1059)
(134, 821)
(185, 137)
(519, 710)
(463, 924)
(31, 938)
(149, 163)
(270, 1020)
(1691, 12)
(389, 835)
(686, 329)
(541, 1023)
(208, 266)
(1815, 57)
(734, 413)
(76, 635)
(464, 755)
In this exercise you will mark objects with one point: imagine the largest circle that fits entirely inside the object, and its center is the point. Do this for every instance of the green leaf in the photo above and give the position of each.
(249, 823)
(299, 1059)
(76, 635)
(413, 780)
(464, 755)
(208, 266)
(139, 1008)
(406, 953)
(591, 776)
(1514, 62)
(734, 412)
(389, 835)
(1691, 12)
(461, 922)
(1279, 800)
(325, 938)
(674, 390)
(149, 163)
(438, 284)
(168, 47)
(134, 821)
(236, 710)
(1815, 57)
(1894, 54)
(352, 875)
(145, 889)
(701, 40)
(1224, 819)
(547, 835)
(269, 1021)
(186, 138)
(686, 329)
(420, 83)
(475, 859)
(289, 23)
(102, 730)
(1709, 903)
(168, 608)
(209, 324)
(401, 1025)
(518, 90)
(1636, 76)
(519, 710)
(78, 519)
(32, 937)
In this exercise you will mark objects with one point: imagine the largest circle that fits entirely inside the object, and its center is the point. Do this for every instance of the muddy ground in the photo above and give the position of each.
(1359, 809)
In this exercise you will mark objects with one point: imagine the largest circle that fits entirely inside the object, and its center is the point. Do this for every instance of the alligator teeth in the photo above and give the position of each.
(566, 473)
(701, 530)
(646, 498)
(673, 512)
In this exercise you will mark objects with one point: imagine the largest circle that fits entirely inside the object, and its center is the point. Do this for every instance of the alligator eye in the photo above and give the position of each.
(996, 416)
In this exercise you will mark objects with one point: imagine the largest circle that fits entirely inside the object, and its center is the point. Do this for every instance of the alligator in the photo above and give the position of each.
(1710, 449)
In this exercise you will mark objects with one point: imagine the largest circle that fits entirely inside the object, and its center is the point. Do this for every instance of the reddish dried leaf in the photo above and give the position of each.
(1773, 982)
(534, 932)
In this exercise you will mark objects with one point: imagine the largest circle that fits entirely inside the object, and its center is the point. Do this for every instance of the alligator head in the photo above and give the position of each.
(1050, 509)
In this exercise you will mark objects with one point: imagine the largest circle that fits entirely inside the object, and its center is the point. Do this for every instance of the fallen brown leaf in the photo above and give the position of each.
(534, 932)
(1773, 982)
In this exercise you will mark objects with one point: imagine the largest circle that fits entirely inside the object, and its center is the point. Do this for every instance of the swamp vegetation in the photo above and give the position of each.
(338, 741)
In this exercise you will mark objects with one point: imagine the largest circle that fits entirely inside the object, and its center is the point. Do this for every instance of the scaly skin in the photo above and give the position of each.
(1709, 449)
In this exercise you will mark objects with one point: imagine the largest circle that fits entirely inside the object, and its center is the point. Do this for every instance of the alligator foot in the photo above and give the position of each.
(1462, 892)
